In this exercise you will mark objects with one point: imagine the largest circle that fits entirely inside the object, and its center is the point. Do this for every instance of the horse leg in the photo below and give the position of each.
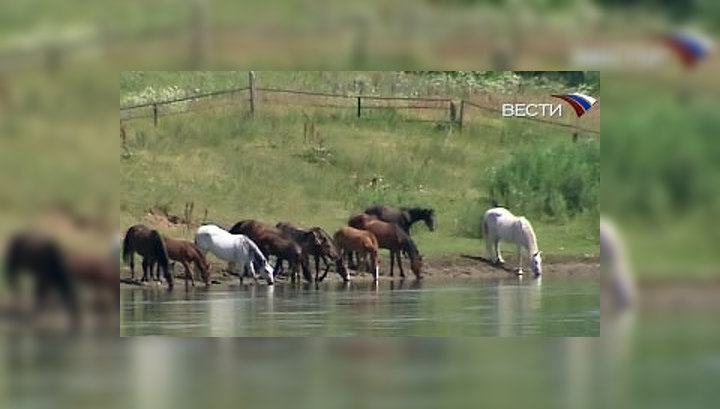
(317, 268)
(145, 267)
(399, 261)
(497, 252)
(158, 277)
(490, 247)
(188, 273)
(132, 267)
(353, 264)
(519, 260)
(293, 271)
(278, 266)
(253, 273)
(376, 271)
(392, 262)
(240, 268)
(327, 268)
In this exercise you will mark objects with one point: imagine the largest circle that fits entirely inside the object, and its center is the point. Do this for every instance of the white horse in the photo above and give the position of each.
(614, 261)
(237, 249)
(499, 224)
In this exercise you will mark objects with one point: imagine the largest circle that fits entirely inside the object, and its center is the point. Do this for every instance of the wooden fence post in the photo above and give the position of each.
(155, 114)
(462, 113)
(359, 106)
(251, 84)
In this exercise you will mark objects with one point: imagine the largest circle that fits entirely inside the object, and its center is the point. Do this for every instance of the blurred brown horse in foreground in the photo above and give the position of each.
(41, 257)
(151, 246)
(61, 272)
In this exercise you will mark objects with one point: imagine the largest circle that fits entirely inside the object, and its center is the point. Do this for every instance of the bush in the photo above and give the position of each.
(558, 179)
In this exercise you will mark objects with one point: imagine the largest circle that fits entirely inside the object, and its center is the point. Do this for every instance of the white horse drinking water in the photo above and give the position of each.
(501, 225)
(237, 249)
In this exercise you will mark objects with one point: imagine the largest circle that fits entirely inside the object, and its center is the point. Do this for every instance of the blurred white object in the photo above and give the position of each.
(614, 262)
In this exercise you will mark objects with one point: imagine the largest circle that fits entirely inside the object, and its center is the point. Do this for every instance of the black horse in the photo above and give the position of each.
(151, 246)
(404, 217)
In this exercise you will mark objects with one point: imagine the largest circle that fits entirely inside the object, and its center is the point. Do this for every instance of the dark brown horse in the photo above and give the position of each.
(41, 257)
(186, 253)
(272, 241)
(390, 236)
(317, 243)
(404, 217)
(350, 239)
(151, 246)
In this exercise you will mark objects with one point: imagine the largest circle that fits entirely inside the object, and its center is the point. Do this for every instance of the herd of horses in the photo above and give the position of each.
(248, 246)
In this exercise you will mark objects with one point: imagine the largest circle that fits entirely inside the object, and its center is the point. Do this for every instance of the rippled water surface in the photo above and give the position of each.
(428, 308)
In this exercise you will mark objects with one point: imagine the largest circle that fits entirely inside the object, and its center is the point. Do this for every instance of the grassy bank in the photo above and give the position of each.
(269, 168)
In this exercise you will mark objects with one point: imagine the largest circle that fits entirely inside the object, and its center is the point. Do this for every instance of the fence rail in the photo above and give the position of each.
(455, 109)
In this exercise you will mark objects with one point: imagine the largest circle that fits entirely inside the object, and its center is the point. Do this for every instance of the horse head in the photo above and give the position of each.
(430, 219)
(416, 264)
(536, 263)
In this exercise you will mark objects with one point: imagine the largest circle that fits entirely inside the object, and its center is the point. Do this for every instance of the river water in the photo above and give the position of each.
(508, 307)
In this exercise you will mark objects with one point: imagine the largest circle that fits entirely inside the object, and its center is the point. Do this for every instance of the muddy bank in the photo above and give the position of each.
(445, 268)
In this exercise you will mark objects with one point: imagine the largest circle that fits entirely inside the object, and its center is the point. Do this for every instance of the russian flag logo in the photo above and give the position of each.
(581, 103)
(689, 47)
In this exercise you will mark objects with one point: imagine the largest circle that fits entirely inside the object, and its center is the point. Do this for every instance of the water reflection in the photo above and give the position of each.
(503, 307)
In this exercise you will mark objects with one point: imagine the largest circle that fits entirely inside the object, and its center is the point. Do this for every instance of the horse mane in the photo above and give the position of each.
(418, 212)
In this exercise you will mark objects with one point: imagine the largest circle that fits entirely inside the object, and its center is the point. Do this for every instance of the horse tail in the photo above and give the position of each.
(485, 228)
(126, 245)
(409, 245)
(200, 257)
(201, 262)
(160, 250)
(373, 240)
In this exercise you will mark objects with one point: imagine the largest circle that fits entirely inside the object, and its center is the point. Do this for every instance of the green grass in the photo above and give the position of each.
(265, 168)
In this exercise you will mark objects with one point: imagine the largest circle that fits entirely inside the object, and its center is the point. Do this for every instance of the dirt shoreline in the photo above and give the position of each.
(444, 268)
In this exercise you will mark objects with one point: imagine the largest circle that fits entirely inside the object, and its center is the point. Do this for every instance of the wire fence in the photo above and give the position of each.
(461, 113)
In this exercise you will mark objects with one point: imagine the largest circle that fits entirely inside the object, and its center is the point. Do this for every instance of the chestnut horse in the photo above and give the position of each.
(186, 253)
(151, 246)
(317, 243)
(390, 236)
(350, 239)
(404, 217)
(272, 241)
